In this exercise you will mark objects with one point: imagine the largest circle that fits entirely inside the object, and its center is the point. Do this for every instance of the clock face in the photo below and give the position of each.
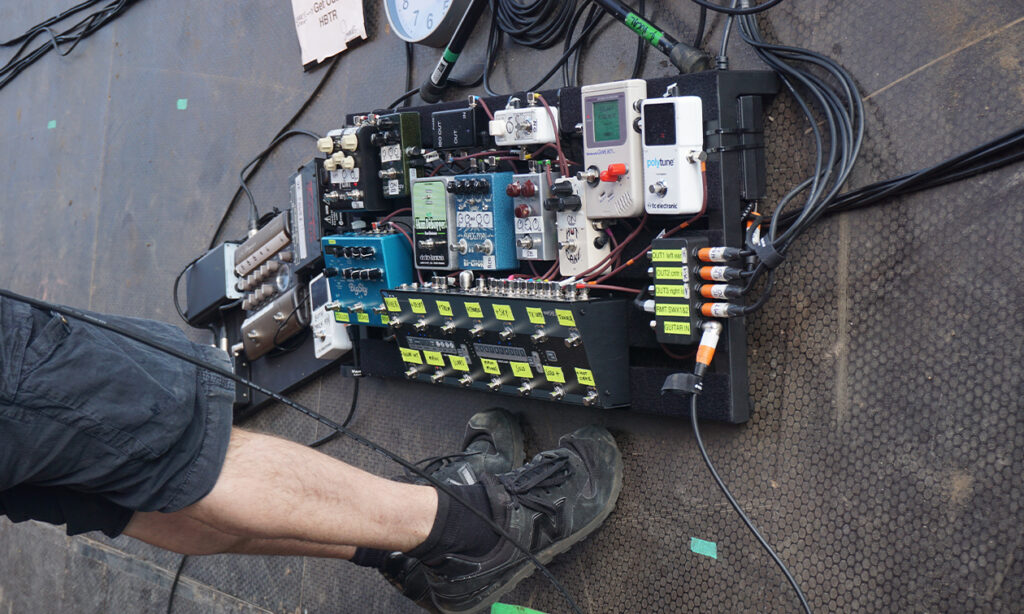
(416, 20)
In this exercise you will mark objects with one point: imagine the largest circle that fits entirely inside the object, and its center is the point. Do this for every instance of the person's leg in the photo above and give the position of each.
(179, 533)
(274, 489)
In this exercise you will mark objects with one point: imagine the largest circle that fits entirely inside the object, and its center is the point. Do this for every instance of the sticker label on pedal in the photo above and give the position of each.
(390, 153)
(672, 310)
(444, 308)
(433, 358)
(535, 314)
(554, 374)
(503, 312)
(585, 377)
(677, 328)
(392, 303)
(662, 291)
(490, 366)
(521, 369)
(565, 317)
(458, 362)
(473, 310)
(412, 356)
(417, 306)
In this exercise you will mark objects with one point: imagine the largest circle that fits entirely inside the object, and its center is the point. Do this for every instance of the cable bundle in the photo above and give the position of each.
(71, 37)
(831, 101)
(990, 156)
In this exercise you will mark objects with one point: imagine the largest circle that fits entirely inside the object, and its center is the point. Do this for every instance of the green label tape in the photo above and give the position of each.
(363, 318)
(392, 303)
(663, 291)
(535, 314)
(585, 377)
(413, 356)
(565, 317)
(341, 316)
(672, 310)
(490, 366)
(458, 362)
(434, 358)
(668, 272)
(417, 306)
(554, 374)
(503, 312)
(667, 255)
(646, 31)
(444, 308)
(521, 369)
(473, 310)
(504, 608)
(677, 328)
(699, 546)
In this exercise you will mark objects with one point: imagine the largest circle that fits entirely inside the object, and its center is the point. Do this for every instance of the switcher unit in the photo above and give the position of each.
(361, 264)
(526, 338)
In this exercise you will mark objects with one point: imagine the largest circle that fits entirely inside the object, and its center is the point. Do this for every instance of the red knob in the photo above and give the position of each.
(522, 210)
(513, 189)
(528, 189)
(613, 172)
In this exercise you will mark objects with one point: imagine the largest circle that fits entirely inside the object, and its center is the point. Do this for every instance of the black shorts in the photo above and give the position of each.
(94, 426)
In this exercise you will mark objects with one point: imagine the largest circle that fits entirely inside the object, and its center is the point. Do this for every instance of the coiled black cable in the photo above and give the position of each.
(61, 42)
(538, 24)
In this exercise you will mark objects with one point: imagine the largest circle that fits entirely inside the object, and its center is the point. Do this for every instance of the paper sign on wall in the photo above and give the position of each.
(325, 27)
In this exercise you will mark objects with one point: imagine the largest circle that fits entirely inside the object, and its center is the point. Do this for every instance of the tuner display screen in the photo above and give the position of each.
(606, 121)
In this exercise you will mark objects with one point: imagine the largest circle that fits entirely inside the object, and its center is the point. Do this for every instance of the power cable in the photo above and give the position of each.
(739, 510)
(259, 163)
(69, 37)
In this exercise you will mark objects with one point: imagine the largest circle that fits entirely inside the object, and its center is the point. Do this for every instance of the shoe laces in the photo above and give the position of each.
(525, 484)
(433, 464)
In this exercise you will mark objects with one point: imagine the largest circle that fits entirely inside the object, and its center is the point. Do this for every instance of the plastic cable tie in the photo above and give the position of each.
(767, 254)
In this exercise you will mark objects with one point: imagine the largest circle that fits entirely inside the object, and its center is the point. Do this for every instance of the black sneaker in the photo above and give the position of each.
(548, 505)
(493, 444)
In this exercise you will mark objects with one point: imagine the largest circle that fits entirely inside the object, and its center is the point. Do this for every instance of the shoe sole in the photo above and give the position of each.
(545, 556)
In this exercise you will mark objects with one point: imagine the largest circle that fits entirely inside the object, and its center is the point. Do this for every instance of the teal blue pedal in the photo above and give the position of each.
(358, 266)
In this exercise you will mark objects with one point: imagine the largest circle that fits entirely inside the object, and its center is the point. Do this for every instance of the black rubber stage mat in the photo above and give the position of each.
(884, 451)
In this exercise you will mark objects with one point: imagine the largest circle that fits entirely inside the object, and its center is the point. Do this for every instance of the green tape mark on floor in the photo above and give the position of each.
(704, 547)
(51, 125)
(504, 608)
(182, 104)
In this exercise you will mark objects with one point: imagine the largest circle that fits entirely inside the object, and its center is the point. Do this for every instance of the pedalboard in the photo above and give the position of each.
(358, 266)
(468, 217)
(525, 338)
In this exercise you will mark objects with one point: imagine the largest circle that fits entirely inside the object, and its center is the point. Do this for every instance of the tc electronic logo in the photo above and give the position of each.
(660, 162)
